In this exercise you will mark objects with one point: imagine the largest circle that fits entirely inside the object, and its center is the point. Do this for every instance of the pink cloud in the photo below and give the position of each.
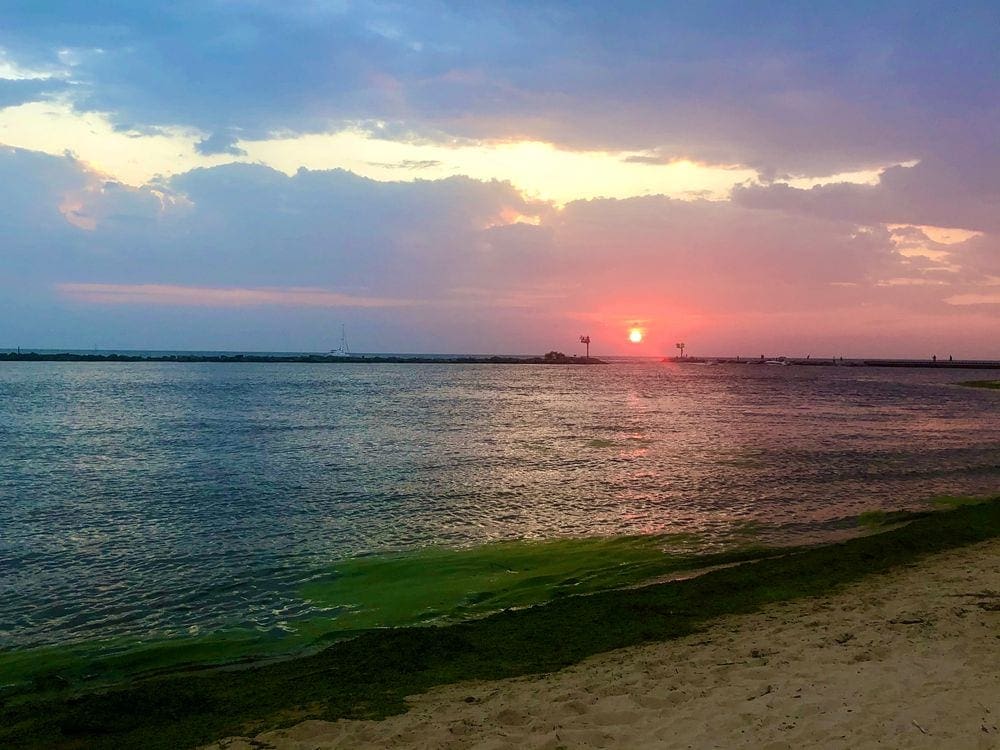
(196, 296)
(975, 299)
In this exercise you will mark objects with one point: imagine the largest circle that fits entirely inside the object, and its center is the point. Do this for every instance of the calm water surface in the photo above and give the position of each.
(169, 497)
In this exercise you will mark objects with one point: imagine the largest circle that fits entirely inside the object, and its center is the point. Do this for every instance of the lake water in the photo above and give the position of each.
(167, 499)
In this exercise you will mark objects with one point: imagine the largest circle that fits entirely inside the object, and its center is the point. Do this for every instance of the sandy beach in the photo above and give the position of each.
(903, 660)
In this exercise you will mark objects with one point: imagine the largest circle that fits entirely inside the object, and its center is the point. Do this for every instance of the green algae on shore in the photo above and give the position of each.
(426, 586)
(370, 675)
(447, 585)
(880, 519)
(990, 384)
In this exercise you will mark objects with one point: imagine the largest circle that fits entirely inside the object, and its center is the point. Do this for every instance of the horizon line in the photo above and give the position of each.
(690, 357)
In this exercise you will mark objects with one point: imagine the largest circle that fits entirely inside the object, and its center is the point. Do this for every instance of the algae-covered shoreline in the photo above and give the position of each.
(370, 675)
(424, 586)
(988, 384)
(906, 658)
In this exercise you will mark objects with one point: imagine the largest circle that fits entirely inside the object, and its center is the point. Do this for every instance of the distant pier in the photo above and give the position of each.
(552, 358)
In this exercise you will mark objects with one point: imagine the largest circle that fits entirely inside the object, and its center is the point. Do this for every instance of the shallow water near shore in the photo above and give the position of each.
(157, 514)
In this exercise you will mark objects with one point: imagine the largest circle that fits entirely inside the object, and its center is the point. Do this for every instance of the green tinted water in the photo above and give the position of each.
(427, 586)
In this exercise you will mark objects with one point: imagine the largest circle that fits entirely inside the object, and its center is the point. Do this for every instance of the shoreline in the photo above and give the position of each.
(371, 675)
(902, 659)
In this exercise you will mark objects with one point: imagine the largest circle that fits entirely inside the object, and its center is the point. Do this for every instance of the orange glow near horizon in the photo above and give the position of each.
(635, 335)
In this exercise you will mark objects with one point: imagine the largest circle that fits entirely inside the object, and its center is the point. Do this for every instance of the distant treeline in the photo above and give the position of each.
(552, 358)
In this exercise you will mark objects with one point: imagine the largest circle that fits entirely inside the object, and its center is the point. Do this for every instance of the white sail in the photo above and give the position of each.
(343, 350)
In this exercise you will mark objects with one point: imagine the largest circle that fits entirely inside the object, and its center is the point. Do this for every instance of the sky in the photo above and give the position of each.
(749, 178)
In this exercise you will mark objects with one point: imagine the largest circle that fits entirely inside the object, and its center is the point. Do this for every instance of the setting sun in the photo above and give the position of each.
(635, 336)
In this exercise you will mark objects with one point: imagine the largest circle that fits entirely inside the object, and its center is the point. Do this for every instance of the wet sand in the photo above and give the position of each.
(910, 659)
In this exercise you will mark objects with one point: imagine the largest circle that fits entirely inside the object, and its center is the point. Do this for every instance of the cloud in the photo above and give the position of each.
(652, 160)
(408, 164)
(219, 143)
(784, 89)
(34, 186)
(975, 299)
(934, 192)
(20, 91)
(714, 255)
(243, 256)
(194, 296)
(978, 255)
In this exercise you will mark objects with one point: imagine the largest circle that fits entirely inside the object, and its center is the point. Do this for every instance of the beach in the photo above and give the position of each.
(904, 659)
(487, 375)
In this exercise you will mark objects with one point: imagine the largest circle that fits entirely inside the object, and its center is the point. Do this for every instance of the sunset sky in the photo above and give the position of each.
(501, 176)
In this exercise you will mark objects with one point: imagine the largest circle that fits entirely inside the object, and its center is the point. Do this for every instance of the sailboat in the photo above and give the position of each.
(343, 350)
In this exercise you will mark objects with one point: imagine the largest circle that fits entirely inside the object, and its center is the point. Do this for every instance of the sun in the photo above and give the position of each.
(635, 336)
